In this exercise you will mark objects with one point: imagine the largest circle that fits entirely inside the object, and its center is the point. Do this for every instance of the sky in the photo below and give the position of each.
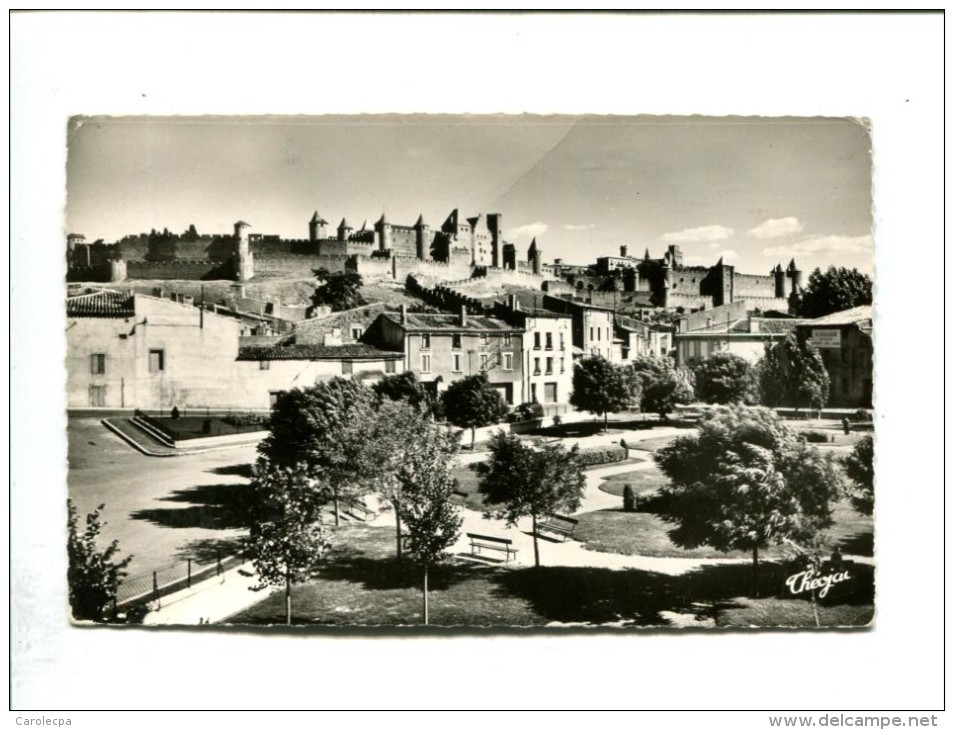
(754, 191)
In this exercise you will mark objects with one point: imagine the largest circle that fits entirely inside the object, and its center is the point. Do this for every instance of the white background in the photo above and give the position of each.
(884, 67)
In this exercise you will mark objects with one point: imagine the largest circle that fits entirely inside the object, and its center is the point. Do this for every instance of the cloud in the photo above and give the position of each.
(835, 246)
(702, 233)
(581, 227)
(530, 230)
(777, 228)
(726, 255)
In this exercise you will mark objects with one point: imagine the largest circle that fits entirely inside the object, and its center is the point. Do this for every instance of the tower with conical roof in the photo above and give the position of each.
(344, 230)
(244, 269)
(495, 224)
(317, 228)
(535, 257)
(422, 238)
(382, 233)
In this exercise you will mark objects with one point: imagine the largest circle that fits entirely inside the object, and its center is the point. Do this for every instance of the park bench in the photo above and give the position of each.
(358, 510)
(557, 525)
(458, 497)
(489, 542)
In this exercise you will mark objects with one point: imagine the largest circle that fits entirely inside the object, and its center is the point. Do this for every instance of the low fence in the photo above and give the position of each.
(152, 586)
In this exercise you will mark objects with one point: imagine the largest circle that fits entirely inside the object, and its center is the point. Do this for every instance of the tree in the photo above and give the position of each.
(725, 378)
(521, 481)
(473, 403)
(93, 575)
(405, 386)
(339, 290)
(323, 427)
(792, 372)
(423, 472)
(286, 541)
(601, 388)
(859, 465)
(835, 290)
(745, 481)
(663, 385)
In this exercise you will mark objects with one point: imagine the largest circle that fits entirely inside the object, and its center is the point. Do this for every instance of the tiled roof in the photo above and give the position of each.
(855, 315)
(768, 326)
(352, 351)
(100, 304)
(450, 323)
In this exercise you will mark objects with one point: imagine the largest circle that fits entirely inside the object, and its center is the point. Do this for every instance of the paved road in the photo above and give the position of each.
(158, 509)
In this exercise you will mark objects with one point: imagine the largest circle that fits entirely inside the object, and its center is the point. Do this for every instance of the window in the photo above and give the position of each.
(562, 343)
(549, 340)
(264, 364)
(347, 367)
(97, 395)
(533, 392)
(598, 333)
(483, 341)
(591, 334)
(458, 360)
(484, 358)
(549, 366)
(97, 364)
(356, 332)
(536, 340)
(455, 342)
(273, 396)
(506, 340)
(562, 366)
(550, 392)
(425, 363)
(425, 341)
(536, 366)
(390, 366)
(508, 361)
(157, 361)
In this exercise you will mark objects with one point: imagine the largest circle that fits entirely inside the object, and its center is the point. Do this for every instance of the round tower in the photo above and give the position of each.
(422, 238)
(383, 230)
(117, 271)
(316, 228)
(795, 274)
(667, 281)
(344, 230)
(243, 255)
(779, 276)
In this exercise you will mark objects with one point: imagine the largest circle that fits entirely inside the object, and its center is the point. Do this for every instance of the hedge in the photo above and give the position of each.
(602, 455)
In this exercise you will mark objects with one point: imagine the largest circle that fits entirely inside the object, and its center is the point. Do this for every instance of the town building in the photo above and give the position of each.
(593, 332)
(844, 340)
(138, 351)
(729, 328)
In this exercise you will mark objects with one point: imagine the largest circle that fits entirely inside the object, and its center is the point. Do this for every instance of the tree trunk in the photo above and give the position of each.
(397, 515)
(335, 498)
(536, 548)
(427, 616)
(287, 601)
(473, 438)
(755, 571)
(605, 422)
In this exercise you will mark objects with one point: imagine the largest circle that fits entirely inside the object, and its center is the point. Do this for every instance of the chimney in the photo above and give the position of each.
(463, 315)
(622, 251)
(403, 314)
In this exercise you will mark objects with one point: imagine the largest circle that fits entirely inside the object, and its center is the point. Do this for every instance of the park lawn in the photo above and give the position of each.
(363, 585)
(653, 444)
(643, 481)
(643, 533)
(468, 482)
(766, 612)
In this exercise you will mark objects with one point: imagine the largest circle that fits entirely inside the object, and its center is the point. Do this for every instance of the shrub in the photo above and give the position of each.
(815, 437)
(246, 419)
(861, 415)
(629, 499)
(602, 455)
(525, 412)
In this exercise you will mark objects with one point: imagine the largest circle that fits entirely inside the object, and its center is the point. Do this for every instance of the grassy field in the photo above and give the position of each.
(768, 612)
(643, 481)
(642, 533)
(362, 585)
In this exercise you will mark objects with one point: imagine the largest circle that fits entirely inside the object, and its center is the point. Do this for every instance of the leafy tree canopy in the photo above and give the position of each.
(520, 481)
(745, 481)
(339, 290)
(835, 290)
(793, 373)
(600, 387)
(662, 384)
(725, 378)
(473, 403)
(405, 386)
(93, 574)
(859, 465)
